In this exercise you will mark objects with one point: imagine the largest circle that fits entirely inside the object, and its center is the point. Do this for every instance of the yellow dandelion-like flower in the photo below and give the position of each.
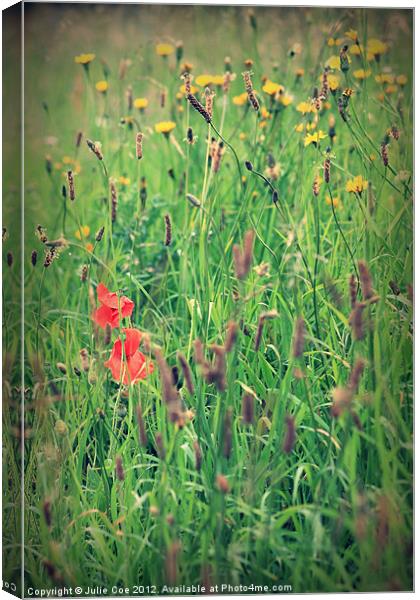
(164, 49)
(356, 185)
(165, 127)
(333, 82)
(89, 247)
(264, 113)
(263, 124)
(391, 89)
(299, 127)
(141, 103)
(218, 79)
(362, 73)
(385, 78)
(101, 86)
(352, 35)
(204, 80)
(84, 231)
(84, 59)
(376, 47)
(272, 88)
(331, 42)
(240, 100)
(242, 136)
(335, 202)
(305, 107)
(314, 138)
(285, 99)
(356, 49)
(310, 126)
(124, 180)
(182, 89)
(333, 63)
(402, 80)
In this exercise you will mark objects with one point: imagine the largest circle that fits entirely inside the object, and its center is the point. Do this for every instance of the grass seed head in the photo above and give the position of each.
(186, 372)
(356, 321)
(70, 183)
(139, 145)
(248, 409)
(365, 280)
(290, 434)
(198, 455)
(299, 338)
(222, 484)
(141, 426)
(227, 433)
(198, 107)
(46, 509)
(119, 468)
(353, 290)
(168, 230)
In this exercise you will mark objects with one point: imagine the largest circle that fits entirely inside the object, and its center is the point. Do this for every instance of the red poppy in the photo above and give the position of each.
(111, 305)
(134, 366)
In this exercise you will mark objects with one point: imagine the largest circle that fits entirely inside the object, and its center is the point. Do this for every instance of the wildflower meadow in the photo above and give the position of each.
(217, 378)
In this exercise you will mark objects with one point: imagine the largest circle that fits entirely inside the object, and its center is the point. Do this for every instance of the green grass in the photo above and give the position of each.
(334, 514)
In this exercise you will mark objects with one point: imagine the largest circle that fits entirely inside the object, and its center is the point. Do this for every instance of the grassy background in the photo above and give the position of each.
(335, 514)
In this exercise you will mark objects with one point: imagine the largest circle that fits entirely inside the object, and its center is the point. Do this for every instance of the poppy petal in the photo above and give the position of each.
(106, 297)
(102, 316)
(127, 306)
(138, 367)
(132, 341)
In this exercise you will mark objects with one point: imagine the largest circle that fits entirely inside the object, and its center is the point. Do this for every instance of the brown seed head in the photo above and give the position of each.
(119, 468)
(222, 484)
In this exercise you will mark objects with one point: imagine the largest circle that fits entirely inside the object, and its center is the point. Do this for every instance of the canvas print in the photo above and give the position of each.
(207, 299)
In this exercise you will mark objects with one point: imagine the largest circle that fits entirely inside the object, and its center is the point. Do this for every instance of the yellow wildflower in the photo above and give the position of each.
(299, 127)
(89, 247)
(141, 103)
(84, 59)
(242, 136)
(285, 99)
(332, 80)
(333, 62)
(376, 47)
(402, 79)
(124, 180)
(164, 49)
(165, 127)
(241, 99)
(84, 231)
(334, 41)
(391, 89)
(218, 79)
(305, 107)
(182, 89)
(356, 49)
(362, 73)
(264, 113)
(335, 202)
(300, 72)
(356, 185)
(314, 138)
(385, 78)
(204, 80)
(272, 88)
(352, 35)
(101, 86)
